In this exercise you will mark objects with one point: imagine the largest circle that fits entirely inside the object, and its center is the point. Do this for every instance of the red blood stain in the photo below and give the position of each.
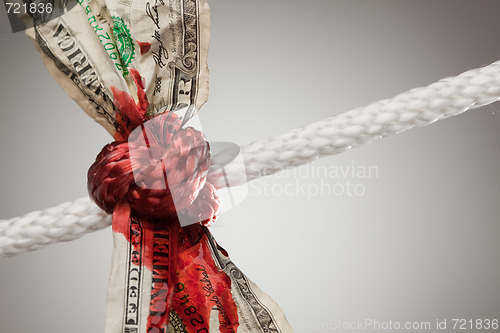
(131, 114)
(208, 287)
(145, 46)
(185, 276)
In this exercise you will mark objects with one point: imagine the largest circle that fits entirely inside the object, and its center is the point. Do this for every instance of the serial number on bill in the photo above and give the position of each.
(29, 8)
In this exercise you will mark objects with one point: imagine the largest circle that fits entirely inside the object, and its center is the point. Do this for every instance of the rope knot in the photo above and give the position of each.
(155, 166)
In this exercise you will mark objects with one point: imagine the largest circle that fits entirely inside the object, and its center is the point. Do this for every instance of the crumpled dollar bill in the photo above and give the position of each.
(91, 48)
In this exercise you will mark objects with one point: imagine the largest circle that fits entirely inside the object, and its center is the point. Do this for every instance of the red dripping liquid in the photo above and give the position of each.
(144, 47)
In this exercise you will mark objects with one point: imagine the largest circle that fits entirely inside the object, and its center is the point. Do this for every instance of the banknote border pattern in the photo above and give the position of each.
(132, 264)
(261, 312)
(73, 77)
(187, 68)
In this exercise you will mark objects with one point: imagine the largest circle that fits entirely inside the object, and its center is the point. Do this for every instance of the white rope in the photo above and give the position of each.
(33, 231)
(415, 108)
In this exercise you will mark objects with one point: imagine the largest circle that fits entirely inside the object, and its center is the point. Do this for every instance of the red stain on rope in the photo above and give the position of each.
(137, 177)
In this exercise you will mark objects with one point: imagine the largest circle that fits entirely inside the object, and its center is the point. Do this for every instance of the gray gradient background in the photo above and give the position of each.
(422, 243)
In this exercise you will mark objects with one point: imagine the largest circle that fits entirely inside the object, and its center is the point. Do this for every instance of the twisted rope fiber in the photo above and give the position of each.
(415, 108)
(65, 222)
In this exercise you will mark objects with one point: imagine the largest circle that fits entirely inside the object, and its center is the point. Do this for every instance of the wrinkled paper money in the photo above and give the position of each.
(87, 50)
(91, 47)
